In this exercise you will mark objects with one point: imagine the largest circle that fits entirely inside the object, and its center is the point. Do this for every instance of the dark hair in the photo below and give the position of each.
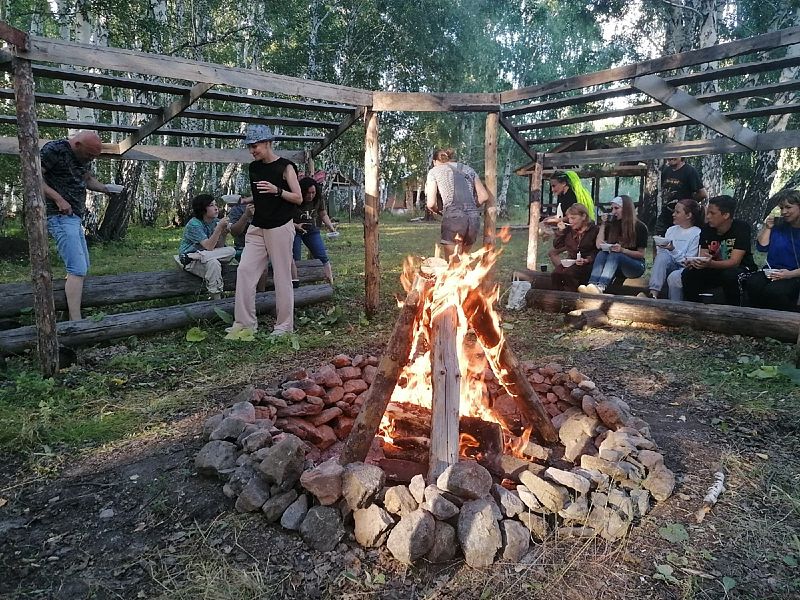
(694, 210)
(560, 176)
(306, 183)
(725, 204)
(786, 197)
(199, 204)
(444, 154)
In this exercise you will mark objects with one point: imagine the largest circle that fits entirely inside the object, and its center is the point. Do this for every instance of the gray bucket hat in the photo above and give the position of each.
(258, 133)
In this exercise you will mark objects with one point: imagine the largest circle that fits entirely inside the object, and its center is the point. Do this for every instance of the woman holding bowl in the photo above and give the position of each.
(622, 240)
(778, 285)
(577, 238)
(680, 241)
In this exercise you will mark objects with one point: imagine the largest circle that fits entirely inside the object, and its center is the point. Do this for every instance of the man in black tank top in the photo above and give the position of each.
(276, 193)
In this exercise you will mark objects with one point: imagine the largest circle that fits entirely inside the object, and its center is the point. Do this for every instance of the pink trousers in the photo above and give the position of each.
(261, 246)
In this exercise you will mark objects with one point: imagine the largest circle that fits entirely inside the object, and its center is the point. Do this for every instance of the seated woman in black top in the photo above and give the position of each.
(577, 239)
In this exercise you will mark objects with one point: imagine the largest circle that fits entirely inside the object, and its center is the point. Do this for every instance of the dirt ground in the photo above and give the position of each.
(133, 520)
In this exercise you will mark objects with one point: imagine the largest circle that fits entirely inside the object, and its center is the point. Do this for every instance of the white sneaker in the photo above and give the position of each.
(581, 289)
(237, 327)
(593, 289)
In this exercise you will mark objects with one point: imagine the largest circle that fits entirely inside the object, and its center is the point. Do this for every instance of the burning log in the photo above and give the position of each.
(379, 393)
(414, 449)
(446, 379)
(505, 364)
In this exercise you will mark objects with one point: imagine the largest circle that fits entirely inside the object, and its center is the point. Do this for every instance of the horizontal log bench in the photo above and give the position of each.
(542, 280)
(103, 290)
(153, 320)
(731, 320)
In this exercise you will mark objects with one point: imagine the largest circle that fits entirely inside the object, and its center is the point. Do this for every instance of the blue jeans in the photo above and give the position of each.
(606, 265)
(313, 241)
(663, 265)
(67, 231)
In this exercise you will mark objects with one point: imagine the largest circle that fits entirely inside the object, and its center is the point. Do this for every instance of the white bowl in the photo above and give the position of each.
(332, 234)
(567, 262)
(114, 188)
(231, 198)
(769, 272)
(606, 247)
(660, 240)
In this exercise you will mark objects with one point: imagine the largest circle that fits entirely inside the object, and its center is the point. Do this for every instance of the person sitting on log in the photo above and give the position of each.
(567, 186)
(679, 241)
(240, 215)
(778, 285)
(577, 238)
(622, 239)
(202, 250)
(724, 254)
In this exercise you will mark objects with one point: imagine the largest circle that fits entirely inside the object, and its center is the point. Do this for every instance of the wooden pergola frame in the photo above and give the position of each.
(516, 111)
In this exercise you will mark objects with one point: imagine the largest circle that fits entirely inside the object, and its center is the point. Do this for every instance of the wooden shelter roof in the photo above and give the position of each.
(214, 101)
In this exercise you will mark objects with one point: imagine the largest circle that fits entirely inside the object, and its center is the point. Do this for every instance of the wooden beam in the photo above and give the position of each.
(534, 213)
(45, 335)
(262, 119)
(689, 106)
(766, 41)
(129, 61)
(746, 113)
(420, 102)
(446, 384)
(167, 114)
(514, 133)
(335, 135)
(641, 109)
(16, 37)
(8, 145)
(372, 263)
(197, 133)
(687, 79)
(490, 168)
(775, 140)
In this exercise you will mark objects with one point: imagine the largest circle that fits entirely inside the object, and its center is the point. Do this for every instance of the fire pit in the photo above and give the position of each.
(447, 442)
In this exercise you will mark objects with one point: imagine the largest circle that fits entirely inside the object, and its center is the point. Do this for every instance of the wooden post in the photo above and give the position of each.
(35, 222)
(446, 379)
(372, 265)
(392, 362)
(534, 213)
(490, 168)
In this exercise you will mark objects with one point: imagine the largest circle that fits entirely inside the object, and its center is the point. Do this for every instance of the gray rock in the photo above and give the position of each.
(417, 488)
(536, 524)
(399, 501)
(510, 503)
(324, 482)
(238, 479)
(466, 479)
(253, 495)
(436, 504)
(613, 412)
(229, 429)
(571, 480)
(576, 532)
(261, 438)
(283, 463)
(216, 459)
(576, 511)
(322, 529)
(641, 502)
(372, 525)
(623, 502)
(559, 420)
(249, 429)
(529, 500)
(361, 483)
(274, 508)
(412, 537)
(445, 544)
(211, 424)
(478, 533)
(660, 483)
(243, 411)
(552, 496)
(293, 516)
(516, 540)
(650, 459)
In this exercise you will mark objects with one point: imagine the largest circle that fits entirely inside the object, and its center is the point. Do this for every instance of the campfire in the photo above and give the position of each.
(479, 451)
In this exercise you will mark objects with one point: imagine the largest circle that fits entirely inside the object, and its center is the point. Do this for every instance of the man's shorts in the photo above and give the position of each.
(67, 231)
(462, 224)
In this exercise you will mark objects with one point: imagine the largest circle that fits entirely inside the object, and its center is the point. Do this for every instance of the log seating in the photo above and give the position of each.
(135, 287)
